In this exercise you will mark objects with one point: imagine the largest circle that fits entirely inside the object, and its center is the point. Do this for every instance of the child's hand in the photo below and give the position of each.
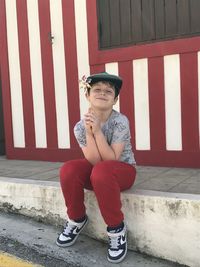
(92, 122)
(88, 126)
(87, 123)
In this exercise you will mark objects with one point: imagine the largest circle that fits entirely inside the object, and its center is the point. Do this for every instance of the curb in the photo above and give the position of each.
(164, 225)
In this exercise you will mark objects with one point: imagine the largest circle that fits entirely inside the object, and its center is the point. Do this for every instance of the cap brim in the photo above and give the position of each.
(116, 80)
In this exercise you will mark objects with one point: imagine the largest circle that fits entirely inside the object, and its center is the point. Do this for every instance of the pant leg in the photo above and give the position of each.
(108, 179)
(74, 176)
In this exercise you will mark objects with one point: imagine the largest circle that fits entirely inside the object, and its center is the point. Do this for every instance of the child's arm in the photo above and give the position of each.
(91, 151)
(106, 151)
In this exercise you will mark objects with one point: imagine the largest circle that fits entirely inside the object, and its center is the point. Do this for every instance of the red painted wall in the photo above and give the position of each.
(158, 155)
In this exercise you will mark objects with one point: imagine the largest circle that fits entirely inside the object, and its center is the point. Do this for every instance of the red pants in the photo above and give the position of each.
(106, 179)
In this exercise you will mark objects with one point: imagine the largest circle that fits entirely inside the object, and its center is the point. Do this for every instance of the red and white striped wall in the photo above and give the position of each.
(47, 45)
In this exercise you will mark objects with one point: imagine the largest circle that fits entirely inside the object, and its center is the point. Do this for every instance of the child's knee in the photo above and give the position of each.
(101, 172)
(67, 170)
(103, 167)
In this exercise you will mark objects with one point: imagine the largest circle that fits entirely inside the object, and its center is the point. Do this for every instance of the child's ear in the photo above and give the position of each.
(115, 100)
(86, 94)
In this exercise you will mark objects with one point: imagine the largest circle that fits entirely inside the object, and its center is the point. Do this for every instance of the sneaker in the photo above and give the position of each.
(70, 233)
(117, 247)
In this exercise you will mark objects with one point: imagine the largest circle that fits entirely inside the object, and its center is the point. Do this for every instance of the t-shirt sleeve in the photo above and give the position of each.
(121, 131)
(79, 132)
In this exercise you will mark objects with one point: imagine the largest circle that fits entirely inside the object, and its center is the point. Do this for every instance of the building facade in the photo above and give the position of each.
(46, 46)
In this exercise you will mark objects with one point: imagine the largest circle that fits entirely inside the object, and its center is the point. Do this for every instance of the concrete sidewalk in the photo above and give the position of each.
(162, 209)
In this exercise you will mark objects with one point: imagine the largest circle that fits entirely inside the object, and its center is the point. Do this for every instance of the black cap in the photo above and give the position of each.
(104, 76)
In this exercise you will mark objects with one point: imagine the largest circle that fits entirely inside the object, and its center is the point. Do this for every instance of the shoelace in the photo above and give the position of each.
(68, 229)
(114, 242)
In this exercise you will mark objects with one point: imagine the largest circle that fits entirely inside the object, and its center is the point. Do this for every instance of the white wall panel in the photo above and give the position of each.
(36, 74)
(141, 103)
(59, 74)
(172, 102)
(15, 75)
(82, 48)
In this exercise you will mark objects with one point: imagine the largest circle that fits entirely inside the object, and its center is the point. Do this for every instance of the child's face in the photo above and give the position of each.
(102, 95)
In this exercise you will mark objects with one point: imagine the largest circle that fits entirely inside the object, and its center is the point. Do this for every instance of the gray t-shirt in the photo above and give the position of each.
(116, 130)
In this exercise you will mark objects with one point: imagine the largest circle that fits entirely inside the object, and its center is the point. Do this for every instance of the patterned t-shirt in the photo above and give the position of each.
(116, 130)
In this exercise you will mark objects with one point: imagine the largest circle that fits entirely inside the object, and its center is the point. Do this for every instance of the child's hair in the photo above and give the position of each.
(107, 83)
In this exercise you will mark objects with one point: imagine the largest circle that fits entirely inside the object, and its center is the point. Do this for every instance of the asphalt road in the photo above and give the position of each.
(21, 251)
(35, 242)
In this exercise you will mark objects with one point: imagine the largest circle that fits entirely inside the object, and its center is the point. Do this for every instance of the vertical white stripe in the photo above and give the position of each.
(141, 99)
(82, 48)
(112, 68)
(60, 74)
(36, 74)
(172, 102)
(199, 90)
(15, 75)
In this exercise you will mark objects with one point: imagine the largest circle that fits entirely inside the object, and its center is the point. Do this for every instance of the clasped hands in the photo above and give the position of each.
(92, 122)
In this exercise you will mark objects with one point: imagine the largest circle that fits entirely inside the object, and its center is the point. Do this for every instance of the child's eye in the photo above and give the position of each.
(109, 92)
(97, 90)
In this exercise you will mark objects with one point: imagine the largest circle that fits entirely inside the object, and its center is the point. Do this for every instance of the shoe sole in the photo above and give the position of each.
(119, 260)
(71, 243)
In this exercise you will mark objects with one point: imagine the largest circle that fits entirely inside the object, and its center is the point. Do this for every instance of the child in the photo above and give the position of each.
(107, 169)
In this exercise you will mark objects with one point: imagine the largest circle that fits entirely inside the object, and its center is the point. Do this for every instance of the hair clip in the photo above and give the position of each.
(84, 83)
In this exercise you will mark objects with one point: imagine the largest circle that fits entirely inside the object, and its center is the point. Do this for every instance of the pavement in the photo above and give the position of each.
(165, 179)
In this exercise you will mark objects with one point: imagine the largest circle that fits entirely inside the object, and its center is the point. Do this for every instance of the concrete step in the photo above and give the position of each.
(161, 224)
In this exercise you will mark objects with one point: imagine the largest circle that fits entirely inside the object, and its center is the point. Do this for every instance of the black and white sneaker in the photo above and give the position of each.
(117, 247)
(70, 233)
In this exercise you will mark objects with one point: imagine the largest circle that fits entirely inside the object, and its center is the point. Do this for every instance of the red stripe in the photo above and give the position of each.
(25, 73)
(48, 74)
(97, 68)
(148, 158)
(179, 159)
(126, 95)
(5, 82)
(91, 9)
(140, 51)
(157, 103)
(189, 101)
(71, 66)
(45, 154)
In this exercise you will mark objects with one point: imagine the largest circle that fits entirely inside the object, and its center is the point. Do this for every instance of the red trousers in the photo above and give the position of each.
(106, 179)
